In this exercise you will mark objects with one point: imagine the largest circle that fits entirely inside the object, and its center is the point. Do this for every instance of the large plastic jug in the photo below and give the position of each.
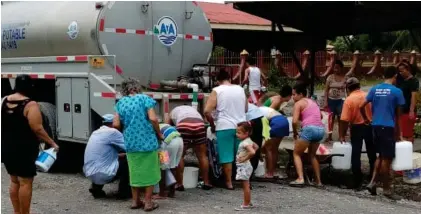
(46, 159)
(338, 162)
(403, 157)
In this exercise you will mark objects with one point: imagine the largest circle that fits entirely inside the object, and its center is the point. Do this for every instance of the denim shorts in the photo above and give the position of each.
(312, 134)
(335, 106)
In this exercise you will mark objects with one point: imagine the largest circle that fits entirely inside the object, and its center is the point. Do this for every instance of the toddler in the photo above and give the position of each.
(246, 150)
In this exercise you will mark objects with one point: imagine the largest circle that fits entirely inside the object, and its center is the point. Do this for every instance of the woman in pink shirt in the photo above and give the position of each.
(312, 132)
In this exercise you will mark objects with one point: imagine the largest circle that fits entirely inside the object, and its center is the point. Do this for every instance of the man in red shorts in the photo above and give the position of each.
(409, 86)
(254, 77)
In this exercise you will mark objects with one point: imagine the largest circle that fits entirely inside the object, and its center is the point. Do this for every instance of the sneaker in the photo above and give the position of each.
(372, 189)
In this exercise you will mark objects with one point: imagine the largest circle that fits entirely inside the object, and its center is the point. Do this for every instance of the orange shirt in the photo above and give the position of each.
(351, 108)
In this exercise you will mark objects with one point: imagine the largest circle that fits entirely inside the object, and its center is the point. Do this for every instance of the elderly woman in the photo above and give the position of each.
(20, 141)
(136, 117)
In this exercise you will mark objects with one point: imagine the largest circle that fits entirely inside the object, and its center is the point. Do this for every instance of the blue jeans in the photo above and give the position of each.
(312, 134)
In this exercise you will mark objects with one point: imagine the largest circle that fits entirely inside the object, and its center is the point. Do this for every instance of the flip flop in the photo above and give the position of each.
(139, 206)
(230, 188)
(153, 206)
(158, 197)
(180, 188)
(318, 186)
(244, 208)
(296, 184)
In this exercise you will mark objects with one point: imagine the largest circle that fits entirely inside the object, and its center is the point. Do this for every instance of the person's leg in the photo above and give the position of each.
(300, 146)
(257, 138)
(171, 191)
(407, 126)
(275, 153)
(14, 193)
(201, 154)
(370, 148)
(269, 146)
(180, 170)
(162, 186)
(332, 108)
(312, 150)
(247, 193)
(25, 194)
(136, 201)
(124, 183)
(226, 147)
(357, 133)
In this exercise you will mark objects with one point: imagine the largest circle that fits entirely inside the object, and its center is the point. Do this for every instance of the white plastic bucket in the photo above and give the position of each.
(412, 176)
(190, 177)
(46, 159)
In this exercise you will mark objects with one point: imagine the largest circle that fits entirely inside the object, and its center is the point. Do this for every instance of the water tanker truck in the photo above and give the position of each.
(78, 53)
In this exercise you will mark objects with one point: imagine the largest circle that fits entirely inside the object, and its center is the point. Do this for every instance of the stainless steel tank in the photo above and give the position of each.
(151, 40)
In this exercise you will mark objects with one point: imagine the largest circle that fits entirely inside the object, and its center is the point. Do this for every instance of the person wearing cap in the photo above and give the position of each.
(360, 131)
(105, 159)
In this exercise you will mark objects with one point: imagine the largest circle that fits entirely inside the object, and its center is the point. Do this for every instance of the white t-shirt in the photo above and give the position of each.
(254, 78)
(182, 112)
(242, 151)
(253, 112)
(268, 112)
(230, 106)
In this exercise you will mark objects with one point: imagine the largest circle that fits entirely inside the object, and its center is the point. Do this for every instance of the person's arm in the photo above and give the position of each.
(210, 106)
(250, 153)
(35, 122)
(118, 141)
(246, 77)
(263, 78)
(153, 119)
(117, 122)
(276, 102)
(368, 99)
(414, 92)
(326, 92)
(168, 120)
(400, 103)
(295, 118)
(246, 108)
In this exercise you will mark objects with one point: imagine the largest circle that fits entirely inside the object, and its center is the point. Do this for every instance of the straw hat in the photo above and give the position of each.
(244, 52)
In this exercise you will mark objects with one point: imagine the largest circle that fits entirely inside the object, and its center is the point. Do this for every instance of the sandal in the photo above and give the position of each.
(318, 186)
(207, 187)
(180, 188)
(150, 206)
(296, 184)
(230, 188)
(244, 208)
(140, 205)
(372, 189)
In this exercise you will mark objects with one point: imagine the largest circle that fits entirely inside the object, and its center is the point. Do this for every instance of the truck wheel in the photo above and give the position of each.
(48, 113)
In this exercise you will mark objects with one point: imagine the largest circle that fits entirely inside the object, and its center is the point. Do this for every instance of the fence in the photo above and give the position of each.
(264, 60)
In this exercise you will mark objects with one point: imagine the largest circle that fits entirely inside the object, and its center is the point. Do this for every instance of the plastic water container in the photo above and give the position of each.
(260, 170)
(413, 176)
(46, 159)
(341, 163)
(403, 158)
(190, 177)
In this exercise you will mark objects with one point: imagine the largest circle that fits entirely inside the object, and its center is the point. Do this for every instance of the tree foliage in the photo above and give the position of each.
(390, 41)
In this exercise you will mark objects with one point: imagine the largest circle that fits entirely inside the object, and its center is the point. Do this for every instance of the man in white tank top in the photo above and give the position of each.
(253, 77)
(231, 106)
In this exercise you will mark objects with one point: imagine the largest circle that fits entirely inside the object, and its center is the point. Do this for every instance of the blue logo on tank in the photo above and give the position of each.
(166, 30)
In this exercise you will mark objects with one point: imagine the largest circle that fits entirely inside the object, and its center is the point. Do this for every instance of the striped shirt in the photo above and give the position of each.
(169, 132)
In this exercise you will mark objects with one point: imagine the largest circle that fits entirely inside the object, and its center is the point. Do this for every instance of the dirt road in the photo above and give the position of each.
(68, 193)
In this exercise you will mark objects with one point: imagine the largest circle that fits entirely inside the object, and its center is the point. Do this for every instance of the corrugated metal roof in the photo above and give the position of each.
(226, 14)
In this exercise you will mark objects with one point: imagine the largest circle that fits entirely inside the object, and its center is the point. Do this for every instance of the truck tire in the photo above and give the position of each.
(48, 112)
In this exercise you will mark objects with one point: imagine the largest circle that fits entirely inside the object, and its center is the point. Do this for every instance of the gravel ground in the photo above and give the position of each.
(67, 193)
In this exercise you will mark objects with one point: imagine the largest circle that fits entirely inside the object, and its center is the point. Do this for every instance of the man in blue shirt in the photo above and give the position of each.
(105, 159)
(386, 101)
